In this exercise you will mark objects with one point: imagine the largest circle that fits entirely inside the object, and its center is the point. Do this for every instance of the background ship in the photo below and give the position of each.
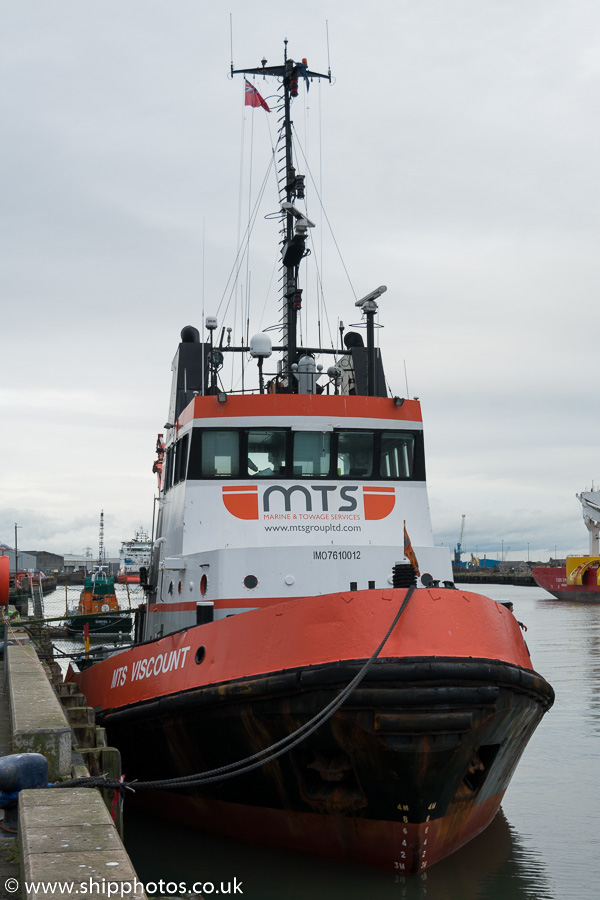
(133, 555)
(579, 579)
(98, 608)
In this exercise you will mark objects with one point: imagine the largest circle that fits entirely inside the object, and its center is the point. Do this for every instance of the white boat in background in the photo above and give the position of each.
(133, 555)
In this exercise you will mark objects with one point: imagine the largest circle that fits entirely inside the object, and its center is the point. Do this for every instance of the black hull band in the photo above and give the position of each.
(409, 735)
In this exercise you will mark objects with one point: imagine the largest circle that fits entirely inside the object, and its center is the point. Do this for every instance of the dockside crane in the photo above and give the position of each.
(590, 502)
(101, 553)
(458, 548)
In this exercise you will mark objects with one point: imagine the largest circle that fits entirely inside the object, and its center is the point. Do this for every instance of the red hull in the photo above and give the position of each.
(308, 632)
(386, 780)
(554, 580)
(129, 578)
(402, 847)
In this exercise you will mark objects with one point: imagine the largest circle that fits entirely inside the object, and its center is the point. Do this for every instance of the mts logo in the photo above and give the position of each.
(242, 501)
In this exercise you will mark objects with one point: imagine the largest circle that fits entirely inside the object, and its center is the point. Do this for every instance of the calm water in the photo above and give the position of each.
(544, 846)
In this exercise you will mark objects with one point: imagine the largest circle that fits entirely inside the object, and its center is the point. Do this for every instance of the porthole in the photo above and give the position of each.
(200, 654)
(203, 585)
(179, 588)
(250, 581)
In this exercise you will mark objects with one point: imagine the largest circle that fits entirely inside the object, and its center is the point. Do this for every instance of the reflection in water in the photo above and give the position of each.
(495, 866)
(552, 800)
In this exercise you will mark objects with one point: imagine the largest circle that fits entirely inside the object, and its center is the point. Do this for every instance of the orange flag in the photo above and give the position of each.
(409, 552)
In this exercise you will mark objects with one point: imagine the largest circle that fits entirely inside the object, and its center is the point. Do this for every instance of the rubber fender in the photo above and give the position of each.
(19, 771)
(2, 648)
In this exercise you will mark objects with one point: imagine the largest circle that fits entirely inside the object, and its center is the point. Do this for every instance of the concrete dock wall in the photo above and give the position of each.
(67, 837)
(38, 721)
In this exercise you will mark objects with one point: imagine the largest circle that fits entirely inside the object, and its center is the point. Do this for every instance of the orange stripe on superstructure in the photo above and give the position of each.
(173, 607)
(240, 487)
(299, 406)
(233, 603)
(252, 602)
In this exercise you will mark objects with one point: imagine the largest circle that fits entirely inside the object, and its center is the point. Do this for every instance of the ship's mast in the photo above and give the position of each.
(296, 223)
(101, 541)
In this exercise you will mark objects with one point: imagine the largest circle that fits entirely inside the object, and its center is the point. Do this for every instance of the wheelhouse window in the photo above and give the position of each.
(355, 454)
(180, 462)
(311, 454)
(168, 469)
(220, 454)
(176, 462)
(266, 453)
(283, 453)
(397, 454)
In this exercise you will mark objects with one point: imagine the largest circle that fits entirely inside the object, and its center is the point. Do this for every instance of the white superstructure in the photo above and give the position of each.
(135, 553)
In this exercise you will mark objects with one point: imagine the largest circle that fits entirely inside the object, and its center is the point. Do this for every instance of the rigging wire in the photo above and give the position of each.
(239, 226)
(246, 308)
(243, 766)
(243, 252)
(239, 258)
(268, 291)
(320, 293)
(308, 169)
(203, 300)
(243, 243)
(306, 305)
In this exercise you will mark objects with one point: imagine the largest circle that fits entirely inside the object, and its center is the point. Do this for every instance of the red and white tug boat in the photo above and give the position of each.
(293, 533)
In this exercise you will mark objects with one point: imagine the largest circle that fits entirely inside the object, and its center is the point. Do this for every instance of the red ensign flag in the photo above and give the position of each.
(253, 98)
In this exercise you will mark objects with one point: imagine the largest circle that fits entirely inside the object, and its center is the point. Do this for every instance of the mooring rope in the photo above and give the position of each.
(243, 766)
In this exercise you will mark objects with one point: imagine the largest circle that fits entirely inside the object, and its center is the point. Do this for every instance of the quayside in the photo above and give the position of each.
(305, 672)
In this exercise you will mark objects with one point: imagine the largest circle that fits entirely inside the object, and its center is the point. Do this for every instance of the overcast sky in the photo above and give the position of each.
(457, 153)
